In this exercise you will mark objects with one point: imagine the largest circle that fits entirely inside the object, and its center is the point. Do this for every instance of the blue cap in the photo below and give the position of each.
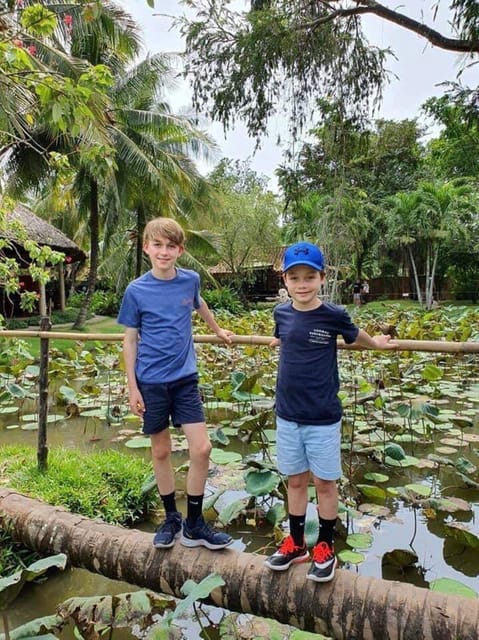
(303, 253)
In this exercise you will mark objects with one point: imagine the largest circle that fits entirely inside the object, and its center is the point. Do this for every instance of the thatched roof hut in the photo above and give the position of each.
(43, 233)
(30, 226)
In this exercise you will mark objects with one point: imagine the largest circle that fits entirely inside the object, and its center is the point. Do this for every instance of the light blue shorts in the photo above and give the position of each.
(304, 447)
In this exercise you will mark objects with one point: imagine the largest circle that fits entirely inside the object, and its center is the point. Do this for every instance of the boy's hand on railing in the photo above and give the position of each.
(225, 335)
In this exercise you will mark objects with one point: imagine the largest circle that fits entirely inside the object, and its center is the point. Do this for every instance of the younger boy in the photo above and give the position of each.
(308, 410)
(162, 377)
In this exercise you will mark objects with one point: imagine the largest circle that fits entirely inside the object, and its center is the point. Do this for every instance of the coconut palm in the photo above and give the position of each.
(147, 159)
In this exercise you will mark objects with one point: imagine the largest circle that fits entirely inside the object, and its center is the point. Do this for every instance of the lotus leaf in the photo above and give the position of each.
(462, 534)
(452, 587)
(399, 558)
(360, 540)
(353, 557)
(261, 483)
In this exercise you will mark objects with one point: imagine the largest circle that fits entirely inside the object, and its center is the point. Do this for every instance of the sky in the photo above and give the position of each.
(415, 75)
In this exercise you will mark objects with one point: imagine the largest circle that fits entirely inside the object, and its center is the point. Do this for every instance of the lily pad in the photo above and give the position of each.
(261, 483)
(463, 534)
(218, 456)
(138, 443)
(353, 557)
(399, 558)
(370, 491)
(360, 540)
(452, 587)
(419, 490)
(376, 477)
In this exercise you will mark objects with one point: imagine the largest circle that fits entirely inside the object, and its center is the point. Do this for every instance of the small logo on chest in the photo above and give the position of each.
(319, 336)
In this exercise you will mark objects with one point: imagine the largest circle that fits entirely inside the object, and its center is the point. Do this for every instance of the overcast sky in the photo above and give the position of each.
(419, 68)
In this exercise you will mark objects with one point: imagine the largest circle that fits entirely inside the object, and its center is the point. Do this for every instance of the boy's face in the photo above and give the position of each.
(303, 284)
(163, 254)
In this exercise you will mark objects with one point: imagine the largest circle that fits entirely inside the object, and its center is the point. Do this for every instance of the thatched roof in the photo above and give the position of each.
(262, 259)
(43, 233)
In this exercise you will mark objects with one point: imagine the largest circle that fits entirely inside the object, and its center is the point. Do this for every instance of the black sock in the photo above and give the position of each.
(326, 530)
(169, 502)
(194, 508)
(296, 529)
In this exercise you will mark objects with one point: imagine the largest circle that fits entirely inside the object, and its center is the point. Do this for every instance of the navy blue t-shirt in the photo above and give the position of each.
(308, 382)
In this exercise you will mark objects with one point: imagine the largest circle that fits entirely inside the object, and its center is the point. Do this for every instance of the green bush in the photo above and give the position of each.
(223, 298)
(104, 303)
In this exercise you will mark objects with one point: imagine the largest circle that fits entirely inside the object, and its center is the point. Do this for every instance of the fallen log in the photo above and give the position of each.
(351, 607)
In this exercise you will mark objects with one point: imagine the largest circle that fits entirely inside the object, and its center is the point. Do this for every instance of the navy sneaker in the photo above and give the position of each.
(287, 554)
(324, 563)
(168, 531)
(201, 535)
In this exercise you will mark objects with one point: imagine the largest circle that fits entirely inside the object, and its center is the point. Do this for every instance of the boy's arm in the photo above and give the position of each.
(205, 313)
(377, 342)
(130, 348)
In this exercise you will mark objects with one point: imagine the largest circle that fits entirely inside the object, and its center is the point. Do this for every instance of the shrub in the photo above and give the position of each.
(223, 298)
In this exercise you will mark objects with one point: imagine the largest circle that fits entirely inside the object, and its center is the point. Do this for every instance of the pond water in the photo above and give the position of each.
(441, 449)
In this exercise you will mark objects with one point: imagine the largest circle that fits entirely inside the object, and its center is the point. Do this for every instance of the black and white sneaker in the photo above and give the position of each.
(287, 554)
(324, 563)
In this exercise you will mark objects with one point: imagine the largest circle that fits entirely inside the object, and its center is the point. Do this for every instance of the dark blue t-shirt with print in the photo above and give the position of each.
(308, 381)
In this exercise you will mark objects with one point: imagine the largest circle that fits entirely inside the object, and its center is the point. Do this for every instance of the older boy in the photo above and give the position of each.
(308, 411)
(162, 377)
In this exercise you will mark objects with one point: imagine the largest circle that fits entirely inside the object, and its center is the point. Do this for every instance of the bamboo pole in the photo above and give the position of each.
(433, 346)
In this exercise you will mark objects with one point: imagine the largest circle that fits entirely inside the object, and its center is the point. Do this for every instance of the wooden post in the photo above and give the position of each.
(43, 300)
(42, 450)
(61, 281)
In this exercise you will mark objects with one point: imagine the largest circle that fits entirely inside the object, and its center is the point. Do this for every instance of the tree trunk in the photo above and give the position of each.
(416, 277)
(350, 607)
(94, 250)
(140, 226)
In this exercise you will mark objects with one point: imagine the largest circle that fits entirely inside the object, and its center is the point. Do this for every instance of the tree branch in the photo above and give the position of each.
(371, 6)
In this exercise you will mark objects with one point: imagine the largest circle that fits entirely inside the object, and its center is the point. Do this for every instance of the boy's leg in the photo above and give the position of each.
(327, 493)
(324, 560)
(323, 445)
(196, 532)
(293, 548)
(170, 529)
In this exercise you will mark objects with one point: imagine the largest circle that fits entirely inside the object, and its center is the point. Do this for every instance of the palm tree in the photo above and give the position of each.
(146, 164)
(422, 220)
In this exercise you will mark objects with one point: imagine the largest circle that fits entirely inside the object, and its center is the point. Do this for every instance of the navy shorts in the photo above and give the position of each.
(179, 400)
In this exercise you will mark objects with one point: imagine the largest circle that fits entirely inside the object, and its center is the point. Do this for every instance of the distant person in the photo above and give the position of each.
(357, 293)
(365, 292)
(162, 377)
(308, 410)
(283, 295)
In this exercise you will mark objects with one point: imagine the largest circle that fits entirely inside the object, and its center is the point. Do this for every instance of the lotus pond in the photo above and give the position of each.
(410, 486)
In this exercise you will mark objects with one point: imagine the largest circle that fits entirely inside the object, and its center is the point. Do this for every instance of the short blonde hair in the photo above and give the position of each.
(165, 227)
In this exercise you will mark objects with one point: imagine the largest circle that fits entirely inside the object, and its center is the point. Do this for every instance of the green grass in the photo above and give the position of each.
(105, 484)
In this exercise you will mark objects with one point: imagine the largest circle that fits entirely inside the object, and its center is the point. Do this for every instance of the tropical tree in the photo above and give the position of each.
(146, 164)
(39, 79)
(247, 225)
(285, 55)
(421, 221)
(453, 153)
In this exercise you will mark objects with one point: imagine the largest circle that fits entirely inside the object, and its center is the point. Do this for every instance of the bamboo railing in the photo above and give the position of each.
(45, 335)
(434, 346)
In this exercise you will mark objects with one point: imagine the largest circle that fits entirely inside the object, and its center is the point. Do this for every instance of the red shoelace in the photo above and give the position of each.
(322, 552)
(288, 546)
